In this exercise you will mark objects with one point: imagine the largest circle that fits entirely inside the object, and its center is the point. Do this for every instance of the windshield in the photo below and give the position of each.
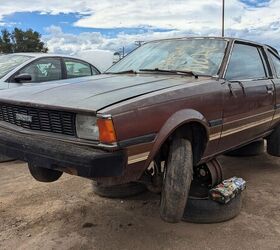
(201, 56)
(10, 62)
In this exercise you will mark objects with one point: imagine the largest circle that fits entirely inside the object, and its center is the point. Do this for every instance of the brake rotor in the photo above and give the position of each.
(205, 177)
(216, 171)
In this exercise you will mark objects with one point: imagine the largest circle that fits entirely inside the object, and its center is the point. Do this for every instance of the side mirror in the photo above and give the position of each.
(23, 78)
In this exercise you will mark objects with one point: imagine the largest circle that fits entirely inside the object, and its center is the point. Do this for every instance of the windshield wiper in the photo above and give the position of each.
(130, 71)
(178, 72)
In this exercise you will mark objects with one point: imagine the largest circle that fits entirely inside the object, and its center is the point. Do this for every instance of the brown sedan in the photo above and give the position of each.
(153, 118)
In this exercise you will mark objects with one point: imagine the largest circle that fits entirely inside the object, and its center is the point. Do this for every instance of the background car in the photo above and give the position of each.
(19, 68)
(102, 59)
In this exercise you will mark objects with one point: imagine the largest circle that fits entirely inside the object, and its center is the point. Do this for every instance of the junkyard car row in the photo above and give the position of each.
(159, 114)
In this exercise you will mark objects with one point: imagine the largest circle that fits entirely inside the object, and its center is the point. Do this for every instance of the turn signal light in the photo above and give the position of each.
(107, 133)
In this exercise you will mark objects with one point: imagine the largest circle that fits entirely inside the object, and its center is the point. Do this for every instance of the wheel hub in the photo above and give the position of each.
(205, 177)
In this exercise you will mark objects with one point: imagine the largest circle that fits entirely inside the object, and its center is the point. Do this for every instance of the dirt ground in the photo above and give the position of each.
(67, 215)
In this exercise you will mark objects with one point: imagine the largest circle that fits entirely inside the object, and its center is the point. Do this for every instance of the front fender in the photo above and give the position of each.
(175, 121)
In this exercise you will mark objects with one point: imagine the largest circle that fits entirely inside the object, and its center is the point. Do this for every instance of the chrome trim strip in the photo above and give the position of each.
(215, 136)
(276, 116)
(252, 116)
(138, 158)
(104, 116)
(242, 127)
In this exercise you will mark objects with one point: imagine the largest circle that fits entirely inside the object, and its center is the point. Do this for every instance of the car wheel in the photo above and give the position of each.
(254, 148)
(44, 174)
(177, 180)
(118, 191)
(208, 211)
(273, 142)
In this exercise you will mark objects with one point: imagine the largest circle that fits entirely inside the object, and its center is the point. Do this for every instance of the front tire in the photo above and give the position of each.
(44, 174)
(177, 180)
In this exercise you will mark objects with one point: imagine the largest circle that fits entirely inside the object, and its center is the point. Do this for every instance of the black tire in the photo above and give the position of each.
(208, 211)
(252, 149)
(44, 174)
(177, 180)
(273, 142)
(118, 191)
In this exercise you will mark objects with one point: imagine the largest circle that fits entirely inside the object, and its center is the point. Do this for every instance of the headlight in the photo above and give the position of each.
(86, 127)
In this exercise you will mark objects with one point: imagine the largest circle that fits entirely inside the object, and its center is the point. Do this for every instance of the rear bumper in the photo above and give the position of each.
(83, 161)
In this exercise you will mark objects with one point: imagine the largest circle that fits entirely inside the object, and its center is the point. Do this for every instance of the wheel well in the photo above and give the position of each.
(196, 133)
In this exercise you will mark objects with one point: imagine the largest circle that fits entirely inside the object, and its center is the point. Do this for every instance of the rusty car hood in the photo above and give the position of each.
(91, 93)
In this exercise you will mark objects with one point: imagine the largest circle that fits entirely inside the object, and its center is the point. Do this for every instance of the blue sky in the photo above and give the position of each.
(255, 3)
(68, 27)
(38, 21)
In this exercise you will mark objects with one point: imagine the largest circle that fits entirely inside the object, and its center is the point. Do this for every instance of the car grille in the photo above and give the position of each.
(52, 121)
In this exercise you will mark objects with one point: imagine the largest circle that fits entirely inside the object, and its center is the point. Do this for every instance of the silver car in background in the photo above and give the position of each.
(19, 68)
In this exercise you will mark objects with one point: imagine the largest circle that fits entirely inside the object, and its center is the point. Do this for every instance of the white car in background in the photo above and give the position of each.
(19, 68)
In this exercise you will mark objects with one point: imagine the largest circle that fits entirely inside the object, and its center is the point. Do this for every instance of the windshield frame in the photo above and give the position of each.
(219, 67)
(13, 67)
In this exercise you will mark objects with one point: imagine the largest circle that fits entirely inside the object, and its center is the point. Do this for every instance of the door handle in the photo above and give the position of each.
(269, 89)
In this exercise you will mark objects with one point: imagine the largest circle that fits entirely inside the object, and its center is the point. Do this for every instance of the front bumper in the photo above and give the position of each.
(83, 161)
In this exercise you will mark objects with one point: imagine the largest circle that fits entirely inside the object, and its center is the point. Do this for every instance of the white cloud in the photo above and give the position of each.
(175, 14)
(184, 16)
(166, 14)
(59, 42)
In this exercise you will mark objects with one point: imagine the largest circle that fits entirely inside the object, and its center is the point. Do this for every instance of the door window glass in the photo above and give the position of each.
(245, 63)
(75, 68)
(43, 70)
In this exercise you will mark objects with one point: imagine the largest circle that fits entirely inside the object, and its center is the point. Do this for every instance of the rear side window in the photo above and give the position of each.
(276, 63)
(76, 68)
(245, 63)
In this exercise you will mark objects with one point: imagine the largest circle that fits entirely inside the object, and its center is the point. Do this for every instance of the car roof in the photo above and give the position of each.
(40, 55)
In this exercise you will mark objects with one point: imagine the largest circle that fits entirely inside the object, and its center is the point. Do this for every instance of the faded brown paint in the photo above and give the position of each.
(149, 103)
(247, 114)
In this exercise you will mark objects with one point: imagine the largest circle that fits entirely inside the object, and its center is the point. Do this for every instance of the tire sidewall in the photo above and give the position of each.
(177, 180)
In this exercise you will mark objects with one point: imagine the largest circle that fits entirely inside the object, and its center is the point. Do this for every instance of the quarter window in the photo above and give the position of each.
(276, 63)
(43, 70)
(75, 68)
(245, 63)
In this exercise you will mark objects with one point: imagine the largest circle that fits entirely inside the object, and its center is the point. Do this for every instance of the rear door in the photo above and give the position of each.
(249, 100)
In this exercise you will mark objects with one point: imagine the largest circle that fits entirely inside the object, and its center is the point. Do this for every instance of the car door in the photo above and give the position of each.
(78, 68)
(41, 70)
(249, 101)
